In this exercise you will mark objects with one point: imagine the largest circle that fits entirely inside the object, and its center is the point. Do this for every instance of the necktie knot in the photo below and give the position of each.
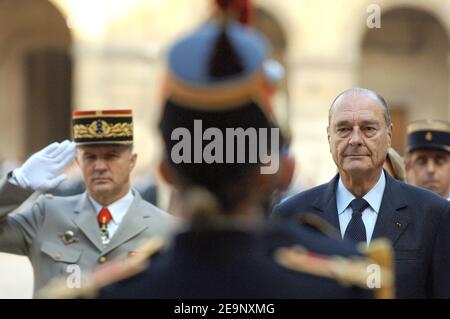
(104, 217)
(358, 205)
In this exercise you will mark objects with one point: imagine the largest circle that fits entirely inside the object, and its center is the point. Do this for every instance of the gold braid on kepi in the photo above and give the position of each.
(103, 127)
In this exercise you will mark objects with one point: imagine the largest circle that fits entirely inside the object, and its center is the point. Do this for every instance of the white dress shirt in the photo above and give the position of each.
(118, 209)
(369, 215)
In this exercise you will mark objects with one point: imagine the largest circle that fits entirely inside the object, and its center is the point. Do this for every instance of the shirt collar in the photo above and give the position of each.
(373, 197)
(117, 209)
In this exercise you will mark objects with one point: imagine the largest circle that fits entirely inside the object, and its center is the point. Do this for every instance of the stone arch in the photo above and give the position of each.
(35, 76)
(406, 61)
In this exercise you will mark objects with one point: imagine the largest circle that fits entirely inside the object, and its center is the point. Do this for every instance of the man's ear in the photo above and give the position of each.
(286, 173)
(167, 173)
(390, 128)
(133, 159)
(408, 162)
(328, 137)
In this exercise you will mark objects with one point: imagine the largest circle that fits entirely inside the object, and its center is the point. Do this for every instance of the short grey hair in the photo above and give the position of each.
(374, 95)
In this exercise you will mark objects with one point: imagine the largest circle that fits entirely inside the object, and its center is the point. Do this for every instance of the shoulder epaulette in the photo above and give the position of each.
(348, 271)
(106, 274)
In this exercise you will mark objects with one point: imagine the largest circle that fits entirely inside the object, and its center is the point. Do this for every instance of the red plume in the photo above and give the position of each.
(241, 10)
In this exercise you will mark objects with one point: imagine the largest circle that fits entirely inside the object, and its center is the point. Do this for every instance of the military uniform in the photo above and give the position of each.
(274, 260)
(230, 263)
(238, 263)
(59, 231)
(55, 232)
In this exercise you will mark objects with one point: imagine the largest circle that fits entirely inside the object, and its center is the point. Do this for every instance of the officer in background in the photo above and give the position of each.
(428, 160)
(108, 221)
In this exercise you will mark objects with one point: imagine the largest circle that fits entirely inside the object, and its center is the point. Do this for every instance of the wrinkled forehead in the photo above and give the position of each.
(356, 106)
(103, 148)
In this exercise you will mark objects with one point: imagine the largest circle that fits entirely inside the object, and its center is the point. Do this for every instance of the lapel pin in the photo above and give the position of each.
(68, 237)
(398, 224)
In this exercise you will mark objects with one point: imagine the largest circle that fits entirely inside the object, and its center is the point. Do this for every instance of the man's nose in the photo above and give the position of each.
(431, 167)
(100, 164)
(355, 136)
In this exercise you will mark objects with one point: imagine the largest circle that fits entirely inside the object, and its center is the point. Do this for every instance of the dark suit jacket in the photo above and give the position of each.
(416, 221)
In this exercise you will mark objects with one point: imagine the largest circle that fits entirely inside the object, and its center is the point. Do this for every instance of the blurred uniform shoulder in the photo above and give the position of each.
(349, 271)
(308, 244)
(106, 274)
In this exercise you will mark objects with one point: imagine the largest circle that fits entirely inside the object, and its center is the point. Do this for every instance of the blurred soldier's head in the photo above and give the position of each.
(218, 129)
(105, 152)
(428, 160)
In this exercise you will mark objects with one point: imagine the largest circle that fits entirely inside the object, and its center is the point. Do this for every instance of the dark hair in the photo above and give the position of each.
(224, 60)
(227, 181)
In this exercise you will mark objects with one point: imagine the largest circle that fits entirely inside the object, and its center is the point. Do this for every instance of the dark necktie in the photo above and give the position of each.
(356, 231)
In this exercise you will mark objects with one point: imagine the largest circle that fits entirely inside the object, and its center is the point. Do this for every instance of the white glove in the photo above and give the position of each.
(41, 172)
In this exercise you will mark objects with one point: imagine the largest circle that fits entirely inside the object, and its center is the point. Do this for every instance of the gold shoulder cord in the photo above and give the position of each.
(352, 271)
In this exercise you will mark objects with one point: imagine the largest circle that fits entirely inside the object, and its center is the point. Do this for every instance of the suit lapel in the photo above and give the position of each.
(86, 220)
(326, 204)
(391, 222)
(135, 221)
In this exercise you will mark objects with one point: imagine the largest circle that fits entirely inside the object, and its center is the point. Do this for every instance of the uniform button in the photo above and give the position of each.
(102, 260)
(57, 256)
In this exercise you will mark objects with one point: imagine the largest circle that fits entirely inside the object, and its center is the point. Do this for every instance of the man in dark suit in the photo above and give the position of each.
(364, 202)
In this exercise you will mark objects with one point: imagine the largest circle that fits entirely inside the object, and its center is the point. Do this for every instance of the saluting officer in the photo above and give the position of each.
(109, 220)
